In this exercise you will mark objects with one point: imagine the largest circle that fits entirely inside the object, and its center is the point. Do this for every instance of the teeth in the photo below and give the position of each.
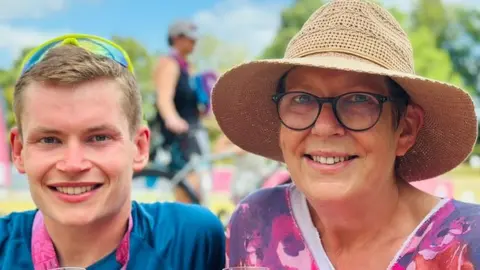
(74, 190)
(329, 160)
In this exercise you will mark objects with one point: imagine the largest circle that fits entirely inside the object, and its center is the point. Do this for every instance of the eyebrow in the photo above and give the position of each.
(45, 130)
(103, 127)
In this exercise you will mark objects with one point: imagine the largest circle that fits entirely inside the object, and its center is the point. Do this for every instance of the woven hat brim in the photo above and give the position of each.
(243, 107)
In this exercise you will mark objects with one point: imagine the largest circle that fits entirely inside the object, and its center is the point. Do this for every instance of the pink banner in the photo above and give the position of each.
(4, 149)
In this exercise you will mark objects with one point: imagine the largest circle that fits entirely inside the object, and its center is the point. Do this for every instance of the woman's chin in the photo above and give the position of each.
(327, 191)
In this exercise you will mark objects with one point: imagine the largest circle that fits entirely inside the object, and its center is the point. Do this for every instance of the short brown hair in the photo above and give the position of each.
(69, 65)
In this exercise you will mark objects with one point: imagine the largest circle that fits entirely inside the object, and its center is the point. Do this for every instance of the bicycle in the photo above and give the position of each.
(203, 166)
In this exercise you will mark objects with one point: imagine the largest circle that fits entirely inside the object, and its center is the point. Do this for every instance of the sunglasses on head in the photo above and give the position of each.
(91, 43)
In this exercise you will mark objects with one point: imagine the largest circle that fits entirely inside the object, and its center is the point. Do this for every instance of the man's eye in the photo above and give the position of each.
(49, 140)
(99, 138)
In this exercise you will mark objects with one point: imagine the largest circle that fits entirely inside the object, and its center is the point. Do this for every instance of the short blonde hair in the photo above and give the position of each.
(70, 65)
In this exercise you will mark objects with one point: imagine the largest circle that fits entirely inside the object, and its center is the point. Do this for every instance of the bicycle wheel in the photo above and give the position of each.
(153, 172)
(161, 174)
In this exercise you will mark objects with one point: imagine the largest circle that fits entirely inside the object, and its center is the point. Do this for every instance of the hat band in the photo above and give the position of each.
(349, 55)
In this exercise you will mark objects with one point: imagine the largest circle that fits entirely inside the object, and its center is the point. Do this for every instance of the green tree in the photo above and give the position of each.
(141, 59)
(292, 19)
(6, 78)
(214, 54)
(7, 83)
(9, 76)
(456, 29)
(431, 61)
(143, 62)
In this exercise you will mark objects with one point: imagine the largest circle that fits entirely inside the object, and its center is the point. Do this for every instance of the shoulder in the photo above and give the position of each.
(258, 211)
(194, 215)
(467, 214)
(273, 194)
(191, 220)
(15, 237)
(455, 218)
(175, 229)
(263, 203)
(464, 208)
(16, 225)
(177, 212)
(167, 62)
(453, 232)
(254, 220)
(454, 211)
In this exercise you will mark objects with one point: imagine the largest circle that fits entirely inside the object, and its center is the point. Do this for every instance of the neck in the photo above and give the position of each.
(395, 209)
(181, 53)
(84, 245)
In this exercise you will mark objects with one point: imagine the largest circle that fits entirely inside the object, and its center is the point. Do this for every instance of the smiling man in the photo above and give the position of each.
(79, 139)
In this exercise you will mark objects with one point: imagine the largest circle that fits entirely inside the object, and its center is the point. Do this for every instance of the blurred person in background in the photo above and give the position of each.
(178, 115)
(355, 125)
(79, 139)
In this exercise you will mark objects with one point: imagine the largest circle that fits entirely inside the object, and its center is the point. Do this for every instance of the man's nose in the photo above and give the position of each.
(73, 160)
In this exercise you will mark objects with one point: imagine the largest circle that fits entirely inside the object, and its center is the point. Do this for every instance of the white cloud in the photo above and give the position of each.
(249, 23)
(14, 39)
(14, 9)
(19, 9)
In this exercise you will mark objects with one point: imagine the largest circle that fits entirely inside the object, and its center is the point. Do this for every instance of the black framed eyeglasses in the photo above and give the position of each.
(355, 111)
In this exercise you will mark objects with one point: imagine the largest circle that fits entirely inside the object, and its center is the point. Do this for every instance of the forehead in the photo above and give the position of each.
(72, 106)
(334, 81)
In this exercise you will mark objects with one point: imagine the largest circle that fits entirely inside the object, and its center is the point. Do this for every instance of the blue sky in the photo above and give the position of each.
(248, 23)
(28, 22)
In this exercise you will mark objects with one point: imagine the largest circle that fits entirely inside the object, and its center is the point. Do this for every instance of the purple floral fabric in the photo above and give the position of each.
(263, 232)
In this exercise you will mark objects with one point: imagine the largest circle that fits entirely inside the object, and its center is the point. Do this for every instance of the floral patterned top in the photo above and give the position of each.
(270, 229)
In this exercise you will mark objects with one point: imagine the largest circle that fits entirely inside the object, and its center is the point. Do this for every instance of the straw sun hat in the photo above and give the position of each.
(357, 36)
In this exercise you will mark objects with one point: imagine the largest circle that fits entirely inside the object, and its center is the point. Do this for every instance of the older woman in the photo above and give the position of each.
(354, 124)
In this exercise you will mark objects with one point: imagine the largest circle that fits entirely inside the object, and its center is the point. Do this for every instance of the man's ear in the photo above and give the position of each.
(17, 148)
(410, 126)
(142, 144)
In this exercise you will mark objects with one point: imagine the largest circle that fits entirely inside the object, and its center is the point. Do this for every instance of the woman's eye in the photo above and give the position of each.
(302, 99)
(359, 98)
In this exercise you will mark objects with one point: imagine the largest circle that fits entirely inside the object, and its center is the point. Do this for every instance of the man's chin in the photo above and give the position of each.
(69, 222)
(73, 217)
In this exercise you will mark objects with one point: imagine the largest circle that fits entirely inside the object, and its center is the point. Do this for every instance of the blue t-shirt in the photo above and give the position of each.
(170, 236)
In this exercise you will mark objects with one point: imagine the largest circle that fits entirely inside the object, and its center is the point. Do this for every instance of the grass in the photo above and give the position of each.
(464, 172)
(476, 148)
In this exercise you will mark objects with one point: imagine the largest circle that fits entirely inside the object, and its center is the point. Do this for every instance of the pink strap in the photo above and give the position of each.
(43, 252)
(180, 60)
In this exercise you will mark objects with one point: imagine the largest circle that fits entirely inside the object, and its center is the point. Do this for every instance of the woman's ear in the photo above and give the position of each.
(410, 126)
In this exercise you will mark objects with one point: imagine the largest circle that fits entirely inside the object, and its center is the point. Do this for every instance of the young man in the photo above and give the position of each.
(177, 103)
(79, 139)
